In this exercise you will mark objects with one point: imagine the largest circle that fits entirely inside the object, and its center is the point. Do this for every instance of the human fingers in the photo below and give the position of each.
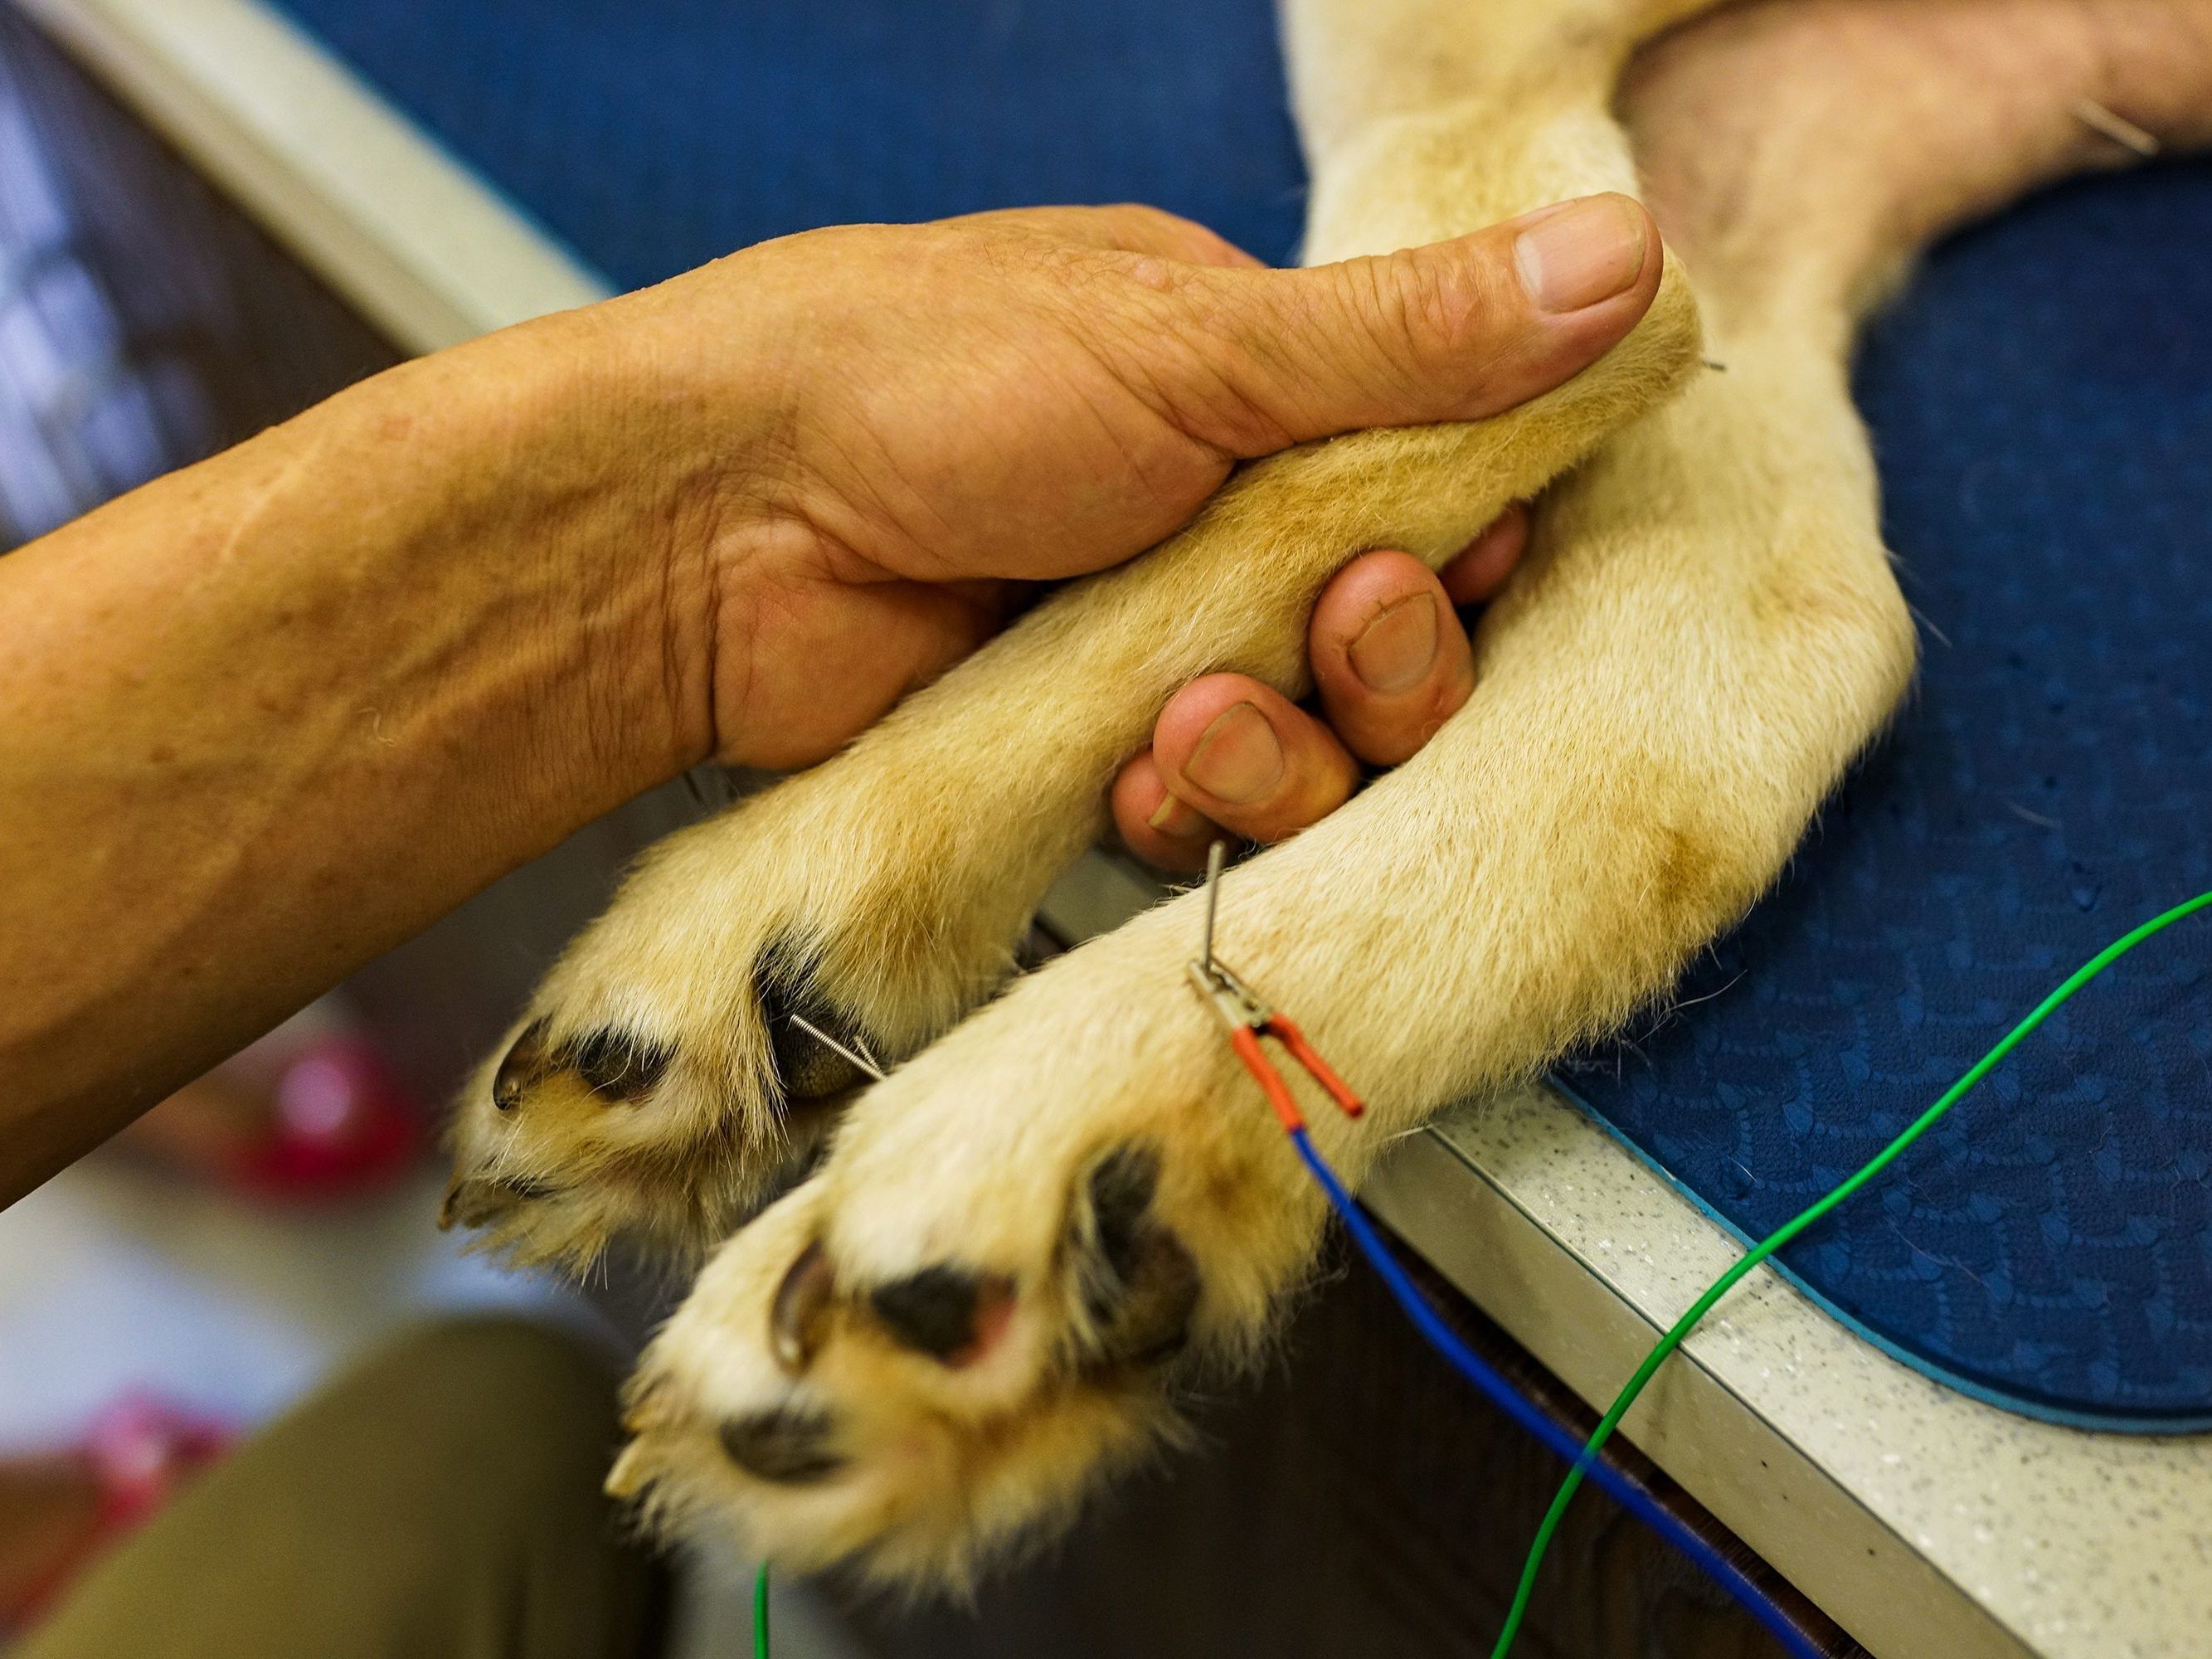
(1390, 660)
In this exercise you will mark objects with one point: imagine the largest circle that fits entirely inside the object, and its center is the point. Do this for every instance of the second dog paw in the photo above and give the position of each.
(985, 1298)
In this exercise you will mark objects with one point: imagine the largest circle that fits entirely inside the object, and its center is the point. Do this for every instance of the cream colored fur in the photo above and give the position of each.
(1705, 635)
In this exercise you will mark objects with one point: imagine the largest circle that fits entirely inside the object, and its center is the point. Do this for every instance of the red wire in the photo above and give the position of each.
(1246, 1039)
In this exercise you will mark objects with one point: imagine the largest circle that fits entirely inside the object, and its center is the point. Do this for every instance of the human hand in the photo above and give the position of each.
(876, 428)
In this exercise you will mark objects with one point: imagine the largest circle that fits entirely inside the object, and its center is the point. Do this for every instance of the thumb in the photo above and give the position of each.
(1452, 332)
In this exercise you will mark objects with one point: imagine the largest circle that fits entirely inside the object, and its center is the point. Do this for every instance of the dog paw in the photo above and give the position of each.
(664, 1083)
(1020, 1246)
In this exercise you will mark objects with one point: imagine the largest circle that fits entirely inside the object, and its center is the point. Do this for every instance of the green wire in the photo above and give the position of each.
(1789, 1230)
(760, 1614)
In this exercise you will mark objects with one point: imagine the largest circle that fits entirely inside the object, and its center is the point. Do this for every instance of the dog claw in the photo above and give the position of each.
(797, 1317)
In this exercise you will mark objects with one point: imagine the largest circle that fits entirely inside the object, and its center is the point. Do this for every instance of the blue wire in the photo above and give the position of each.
(1508, 1398)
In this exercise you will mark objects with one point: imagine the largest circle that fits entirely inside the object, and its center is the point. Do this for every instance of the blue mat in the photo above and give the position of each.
(2043, 409)
(652, 135)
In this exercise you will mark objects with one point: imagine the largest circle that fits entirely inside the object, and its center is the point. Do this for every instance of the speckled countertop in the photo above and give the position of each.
(1925, 1523)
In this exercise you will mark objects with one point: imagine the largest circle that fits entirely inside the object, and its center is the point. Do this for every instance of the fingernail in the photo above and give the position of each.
(1239, 758)
(1393, 652)
(1177, 820)
(1576, 255)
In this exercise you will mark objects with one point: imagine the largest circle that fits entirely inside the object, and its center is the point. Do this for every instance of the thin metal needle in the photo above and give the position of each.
(829, 1041)
(1215, 856)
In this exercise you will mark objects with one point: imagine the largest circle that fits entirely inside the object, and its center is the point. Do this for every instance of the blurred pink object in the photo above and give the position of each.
(310, 1112)
(342, 1123)
(140, 1449)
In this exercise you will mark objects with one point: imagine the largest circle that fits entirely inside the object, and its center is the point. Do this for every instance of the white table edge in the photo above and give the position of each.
(1922, 1520)
(414, 240)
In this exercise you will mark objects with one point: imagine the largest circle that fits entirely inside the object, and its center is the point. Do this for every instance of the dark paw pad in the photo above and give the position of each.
(613, 1065)
(789, 1446)
(617, 1066)
(1152, 1324)
(1139, 1284)
(951, 1313)
(1121, 1191)
(806, 1068)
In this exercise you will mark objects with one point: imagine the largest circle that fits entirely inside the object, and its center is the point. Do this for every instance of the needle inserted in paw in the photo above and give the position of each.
(1248, 1019)
(862, 1059)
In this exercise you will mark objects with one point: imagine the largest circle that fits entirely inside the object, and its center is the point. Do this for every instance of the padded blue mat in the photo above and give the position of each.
(2043, 409)
(652, 135)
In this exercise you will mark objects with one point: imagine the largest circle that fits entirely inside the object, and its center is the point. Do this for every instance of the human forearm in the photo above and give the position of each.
(268, 717)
